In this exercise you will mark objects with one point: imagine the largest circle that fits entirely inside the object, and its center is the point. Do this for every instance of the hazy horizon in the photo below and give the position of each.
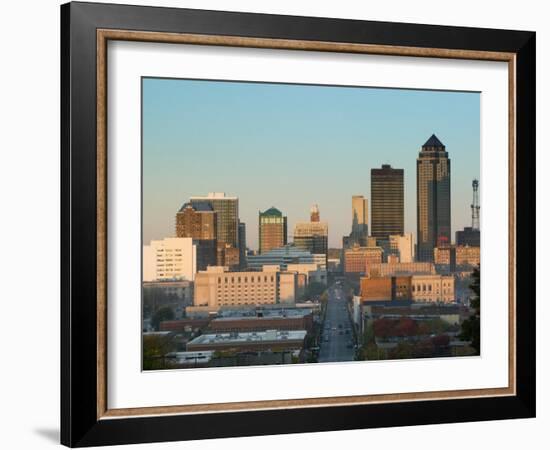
(290, 146)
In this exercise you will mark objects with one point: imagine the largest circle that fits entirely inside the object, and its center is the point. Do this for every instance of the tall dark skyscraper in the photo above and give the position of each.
(433, 198)
(242, 245)
(387, 202)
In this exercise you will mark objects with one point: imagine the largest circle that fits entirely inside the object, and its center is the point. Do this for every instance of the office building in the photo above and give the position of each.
(418, 288)
(467, 256)
(280, 257)
(468, 236)
(271, 340)
(386, 289)
(170, 259)
(272, 230)
(217, 287)
(433, 288)
(445, 258)
(227, 256)
(433, 198)
(168, 291)
(399, 268)
(456, 257)
(387, 202)
(242, 245)
(359, 214)
(357, 259)
(262, 320)
(227, 216)
(312, 237)
(402, 246)
(359, 223)
(198, 221)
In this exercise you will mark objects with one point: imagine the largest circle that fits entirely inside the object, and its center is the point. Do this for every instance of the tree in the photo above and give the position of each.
(155, 349)
(383, 328)
(370, 352)
(155, 298)
(368, 334)
(470, 326)
(406, 327)
(441, 340)
(403, 350)
(161, 315)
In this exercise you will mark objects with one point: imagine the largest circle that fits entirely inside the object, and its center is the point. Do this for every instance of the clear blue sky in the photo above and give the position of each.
(290, 146)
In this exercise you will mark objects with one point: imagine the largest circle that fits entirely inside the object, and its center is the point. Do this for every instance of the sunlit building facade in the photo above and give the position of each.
(272, 230)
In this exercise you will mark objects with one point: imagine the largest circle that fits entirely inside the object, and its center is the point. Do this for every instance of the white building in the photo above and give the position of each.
(403, 245)
(170, 259)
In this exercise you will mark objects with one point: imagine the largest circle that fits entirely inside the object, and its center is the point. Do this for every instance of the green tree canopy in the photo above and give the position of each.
(161, 315)
(470, 327)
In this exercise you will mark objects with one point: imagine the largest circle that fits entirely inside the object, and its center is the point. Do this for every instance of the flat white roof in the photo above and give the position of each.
(241, 338)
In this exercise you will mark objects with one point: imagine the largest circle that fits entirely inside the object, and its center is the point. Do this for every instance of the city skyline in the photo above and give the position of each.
(273, 140)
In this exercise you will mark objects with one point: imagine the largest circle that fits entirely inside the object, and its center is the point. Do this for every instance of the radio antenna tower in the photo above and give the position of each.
(475, 205)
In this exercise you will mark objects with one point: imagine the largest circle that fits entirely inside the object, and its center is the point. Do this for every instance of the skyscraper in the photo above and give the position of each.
(312, 236)
(387, 202)
(433, 198)
(272, 229)
(198, 221)
(359, 223)
(359, 216)
(242, 245)
(227, 216)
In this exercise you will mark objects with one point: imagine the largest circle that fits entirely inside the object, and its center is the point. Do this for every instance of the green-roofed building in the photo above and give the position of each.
(272, 229)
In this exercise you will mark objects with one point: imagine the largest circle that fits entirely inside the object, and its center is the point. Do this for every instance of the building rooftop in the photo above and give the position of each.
(254, 336)
(255, 313)
(271, 212)
(280, 256)
(198, 206)
(191, 357)
(433, 141)
(417, 310)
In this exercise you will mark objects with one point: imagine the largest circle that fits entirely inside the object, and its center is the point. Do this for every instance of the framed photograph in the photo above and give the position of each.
(276, 224)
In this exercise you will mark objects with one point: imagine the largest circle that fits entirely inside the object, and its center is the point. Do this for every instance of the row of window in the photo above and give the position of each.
(258, 279)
